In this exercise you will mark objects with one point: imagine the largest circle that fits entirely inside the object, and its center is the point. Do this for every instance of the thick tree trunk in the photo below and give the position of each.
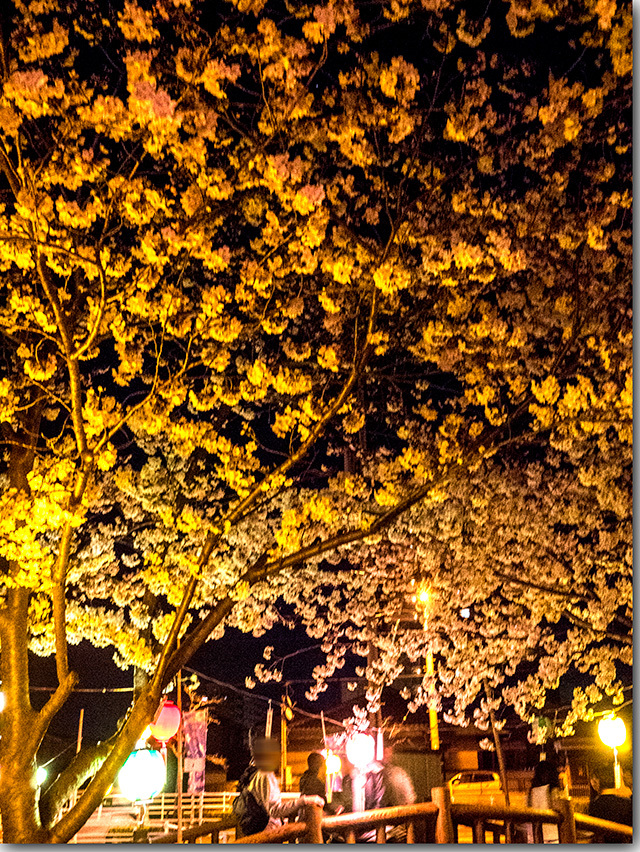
(18, 789)
(20, 732)
(499, 754)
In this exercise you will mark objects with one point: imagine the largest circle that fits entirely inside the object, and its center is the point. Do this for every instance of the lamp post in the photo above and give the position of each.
(422, 599)
(613, 733)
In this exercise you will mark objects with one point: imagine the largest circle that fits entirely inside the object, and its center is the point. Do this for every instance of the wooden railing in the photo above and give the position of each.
(510, 823)
(600, 827)
(206, 832)
(502, 821)
(436, 821)
(418, 822)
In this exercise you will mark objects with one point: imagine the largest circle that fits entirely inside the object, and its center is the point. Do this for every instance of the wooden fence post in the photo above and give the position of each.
(313, 819)
(444, 827)
(567, 828)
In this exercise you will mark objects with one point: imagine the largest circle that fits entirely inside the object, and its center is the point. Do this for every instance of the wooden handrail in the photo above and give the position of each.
(480, 817)
(590, 822)
(380, 816)
(470, 813)
(276, 835)
(189, 835)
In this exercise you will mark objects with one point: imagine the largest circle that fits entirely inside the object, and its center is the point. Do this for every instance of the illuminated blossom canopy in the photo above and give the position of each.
(302, 303)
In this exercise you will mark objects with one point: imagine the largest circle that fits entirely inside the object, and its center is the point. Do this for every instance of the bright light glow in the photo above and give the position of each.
(333, 764)
(143, 775)
(612, 731)
(1, 701)
(465, 613)
(361, 749)
(41, 776)
(423, 596)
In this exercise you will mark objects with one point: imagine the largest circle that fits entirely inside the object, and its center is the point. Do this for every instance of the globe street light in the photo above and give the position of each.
(613, 733)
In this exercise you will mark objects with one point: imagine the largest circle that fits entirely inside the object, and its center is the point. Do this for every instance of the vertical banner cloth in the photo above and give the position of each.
(194, 731)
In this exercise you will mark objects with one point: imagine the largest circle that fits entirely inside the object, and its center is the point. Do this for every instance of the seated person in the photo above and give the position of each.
(608, 802)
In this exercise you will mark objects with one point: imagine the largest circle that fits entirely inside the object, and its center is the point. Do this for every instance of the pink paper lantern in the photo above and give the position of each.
(166, 723)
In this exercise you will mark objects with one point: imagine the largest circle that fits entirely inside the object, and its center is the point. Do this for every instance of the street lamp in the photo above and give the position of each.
(422, 600)
(613, 733)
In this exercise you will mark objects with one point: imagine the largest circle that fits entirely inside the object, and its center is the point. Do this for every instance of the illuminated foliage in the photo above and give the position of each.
(286, 285)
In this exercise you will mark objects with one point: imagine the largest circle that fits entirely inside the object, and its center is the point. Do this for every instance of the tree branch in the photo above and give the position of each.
(122, 745)
(580, 622)
(53, 705)
(85, 764)
(240, 509)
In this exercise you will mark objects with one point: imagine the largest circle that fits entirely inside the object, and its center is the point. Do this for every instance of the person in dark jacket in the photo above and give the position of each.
(609, 802)
(312, 781)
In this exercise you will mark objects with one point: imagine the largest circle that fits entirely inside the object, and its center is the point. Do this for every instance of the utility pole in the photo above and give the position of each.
(433, 713)
(180, 764)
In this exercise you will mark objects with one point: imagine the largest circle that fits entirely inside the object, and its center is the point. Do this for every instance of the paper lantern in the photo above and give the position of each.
(333, 764)
(361, 749)
(612, 731)
(143, 775)
(166, 723)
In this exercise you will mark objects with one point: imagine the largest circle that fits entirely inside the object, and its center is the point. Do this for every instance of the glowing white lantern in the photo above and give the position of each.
(333, 764)
(612, 731)
(361, 749)
(143, 775)
(41, 776)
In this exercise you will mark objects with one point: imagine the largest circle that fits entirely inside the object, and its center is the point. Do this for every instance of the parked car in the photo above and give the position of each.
(476, 785)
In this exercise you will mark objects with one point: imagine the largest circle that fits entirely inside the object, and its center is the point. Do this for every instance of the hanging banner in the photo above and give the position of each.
(194, 732)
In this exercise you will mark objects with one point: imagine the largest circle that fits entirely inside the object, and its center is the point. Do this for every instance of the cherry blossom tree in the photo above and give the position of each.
(304, 304)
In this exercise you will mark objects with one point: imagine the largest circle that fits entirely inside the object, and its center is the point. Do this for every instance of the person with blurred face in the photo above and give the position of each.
(262, 784)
